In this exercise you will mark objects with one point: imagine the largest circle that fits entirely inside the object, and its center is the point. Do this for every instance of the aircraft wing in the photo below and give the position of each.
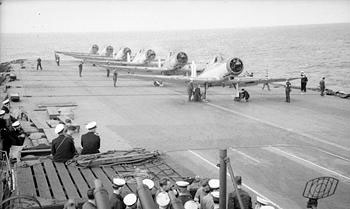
(251, 81)
(134, 68)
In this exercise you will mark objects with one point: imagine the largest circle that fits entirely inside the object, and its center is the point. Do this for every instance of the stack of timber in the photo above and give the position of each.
(52, 183)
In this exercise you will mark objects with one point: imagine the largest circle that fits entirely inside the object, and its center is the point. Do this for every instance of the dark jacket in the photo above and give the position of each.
(63, 148)
(304, 79)
(233, 200)
(322, 84)
(90, 143)
(116, 201)
(288, 87)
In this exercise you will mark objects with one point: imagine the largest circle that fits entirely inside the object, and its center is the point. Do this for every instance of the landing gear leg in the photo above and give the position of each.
(204, 97)
(237, 97)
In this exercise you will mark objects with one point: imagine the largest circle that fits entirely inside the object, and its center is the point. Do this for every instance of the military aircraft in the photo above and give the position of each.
(218, 72)
(92, 52)
(144, 62)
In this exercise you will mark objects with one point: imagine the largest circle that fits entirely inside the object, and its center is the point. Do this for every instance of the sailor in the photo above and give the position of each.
(150, 185)
(6, 140)
(288, 90)
(191, 205)
(115, 78)
(62, 148)
(266, 83)
(216, 197)
(202, 191)
(91, 203)
(190, 90)
(130, 201)
(18, 133)
(245, 95)
(91, 140)
(38, 64)
(322, 86)
(183, 194)
(80, 68)
(303, 82)
(108, 72)
(57, 59)
(233, 202)
(163, 200)
(208, 201)
(116, 199)
(260, 202)
(197, 94)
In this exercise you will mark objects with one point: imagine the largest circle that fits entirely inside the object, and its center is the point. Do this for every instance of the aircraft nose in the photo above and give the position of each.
(182, 57)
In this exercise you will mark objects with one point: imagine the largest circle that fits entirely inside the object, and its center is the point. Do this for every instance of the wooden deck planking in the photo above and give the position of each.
(102, 176)
(122, 170)
(50, 134)
(42, 185)
(79, 181)
(55, 183)
(25, 181)
(66, 180)
(39, 123)
(89, 176)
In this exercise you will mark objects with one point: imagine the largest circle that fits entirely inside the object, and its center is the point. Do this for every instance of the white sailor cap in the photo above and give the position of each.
(91, 125)
(59, 128)
(182, 183)
(118, 182)
(130, 199)
(163, 199)
(215, 194)
(6, 101)
(262, 200)
(149, 183)
(191, 205)
(2, 112)
(15, 124)
(214, 183)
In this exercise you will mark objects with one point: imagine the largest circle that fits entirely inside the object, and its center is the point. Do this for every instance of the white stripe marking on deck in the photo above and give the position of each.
(245, 155)
(278, 126)
(248, 187)
(309, 162)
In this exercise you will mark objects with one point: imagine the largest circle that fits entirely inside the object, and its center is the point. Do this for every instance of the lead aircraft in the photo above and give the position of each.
(93, 52)
(219, 72)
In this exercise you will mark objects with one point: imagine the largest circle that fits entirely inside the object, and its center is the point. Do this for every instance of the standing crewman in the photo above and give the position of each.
(233, 202)
(322, 86)
(62, 148)
(116, 199)
(115, 78)
(57, 59)
(80, 68)
(304, 81)
(38, 64)
(91, 140)
(288, 90)
(197, 96)
(190, 90)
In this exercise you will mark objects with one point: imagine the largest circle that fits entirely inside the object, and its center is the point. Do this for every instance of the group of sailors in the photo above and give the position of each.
(63, 147)
(199, 194)
(11, 132)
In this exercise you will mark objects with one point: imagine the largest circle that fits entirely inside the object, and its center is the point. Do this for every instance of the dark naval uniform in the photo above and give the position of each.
(63, 148)
(233, 202)
(116, 201)
(90, 143)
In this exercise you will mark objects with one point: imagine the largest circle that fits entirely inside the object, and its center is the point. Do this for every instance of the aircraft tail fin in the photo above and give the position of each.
(128, 57)
(193, 69)
(159, 63)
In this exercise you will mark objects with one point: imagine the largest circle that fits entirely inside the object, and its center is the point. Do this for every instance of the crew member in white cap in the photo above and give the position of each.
(116, 199)
(260, 202)
(130, 200)
(62, 148)
(17, 133)
(90, 141)
(150, 185)
(183, 194)
(191, 205)
(163, 200)
(6, 106)
(6, 138)
(216, 196)
(245, 197)
(208, 201)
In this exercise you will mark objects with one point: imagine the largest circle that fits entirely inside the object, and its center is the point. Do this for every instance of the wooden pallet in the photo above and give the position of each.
(50, 182)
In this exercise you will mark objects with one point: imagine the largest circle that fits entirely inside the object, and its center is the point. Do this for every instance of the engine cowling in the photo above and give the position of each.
(150, 55)
(94, 49)
(234, 66)
(108, 51)
(122, 53)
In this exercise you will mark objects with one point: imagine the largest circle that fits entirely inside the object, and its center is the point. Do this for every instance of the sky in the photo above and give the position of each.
(36, 16)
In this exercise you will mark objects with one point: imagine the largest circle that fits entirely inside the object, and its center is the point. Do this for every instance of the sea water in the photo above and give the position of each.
(318, 50)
